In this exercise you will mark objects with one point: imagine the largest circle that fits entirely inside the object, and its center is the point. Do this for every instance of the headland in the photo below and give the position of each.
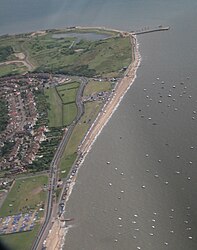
(62, 86)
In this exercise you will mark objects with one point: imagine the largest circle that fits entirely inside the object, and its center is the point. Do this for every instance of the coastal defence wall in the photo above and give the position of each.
(152, 30)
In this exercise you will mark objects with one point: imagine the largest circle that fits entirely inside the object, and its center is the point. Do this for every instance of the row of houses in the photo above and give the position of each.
(21, 137)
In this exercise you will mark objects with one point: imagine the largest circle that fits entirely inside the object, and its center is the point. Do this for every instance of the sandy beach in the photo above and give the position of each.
(56, 237)
(113, 101)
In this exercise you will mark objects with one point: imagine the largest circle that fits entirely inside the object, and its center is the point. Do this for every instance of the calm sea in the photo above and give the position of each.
(146, 197)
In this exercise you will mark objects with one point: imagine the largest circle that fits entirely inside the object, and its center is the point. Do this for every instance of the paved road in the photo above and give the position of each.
(54, 169)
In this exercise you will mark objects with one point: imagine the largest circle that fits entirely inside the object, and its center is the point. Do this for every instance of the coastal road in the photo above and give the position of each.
(54, 169)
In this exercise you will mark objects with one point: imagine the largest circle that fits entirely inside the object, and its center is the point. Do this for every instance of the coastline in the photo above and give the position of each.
(56, 238)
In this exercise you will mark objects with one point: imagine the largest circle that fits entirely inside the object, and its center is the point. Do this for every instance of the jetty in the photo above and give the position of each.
(147, 30)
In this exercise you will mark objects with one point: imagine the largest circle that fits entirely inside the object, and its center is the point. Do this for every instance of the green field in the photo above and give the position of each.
(89, 30)
(84, 58)
(25, 195)
(94, 58)
(55, 108)
(12, 69)
(70, 153)
(68, 95)
(96, 86)
(62, 108)
(67, 86)
(69, 113)
(20, 241)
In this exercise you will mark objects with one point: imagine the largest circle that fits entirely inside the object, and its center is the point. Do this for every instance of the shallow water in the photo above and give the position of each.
(87, 36)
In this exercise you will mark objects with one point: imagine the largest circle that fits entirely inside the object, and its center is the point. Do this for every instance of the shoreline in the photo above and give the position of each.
(56, 239)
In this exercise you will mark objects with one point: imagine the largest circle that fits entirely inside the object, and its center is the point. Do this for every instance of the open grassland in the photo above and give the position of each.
(46, 52)
(70, 153)
(89, 30)
(67, 95)
(25, 195)
(103, 57)
(97, 86)
(71, 56)
(68, 86)
(55, 107)
(62, 107)
(69, 113)
(20, 241)
(12, 69)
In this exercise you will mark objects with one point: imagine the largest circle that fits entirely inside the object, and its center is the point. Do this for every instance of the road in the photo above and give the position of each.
(54, 170)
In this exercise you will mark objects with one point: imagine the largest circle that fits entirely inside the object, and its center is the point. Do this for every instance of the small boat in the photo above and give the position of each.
(69, 219)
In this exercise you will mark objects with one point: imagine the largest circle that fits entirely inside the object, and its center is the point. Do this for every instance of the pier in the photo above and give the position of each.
(144, 31)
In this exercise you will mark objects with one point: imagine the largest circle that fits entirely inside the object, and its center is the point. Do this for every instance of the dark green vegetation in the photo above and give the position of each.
(3, 115)
(62, 109)
(5, 52)
(7, 147)
(20, 241)
(25, 195)
(46, 150)
(53, 135)
(42, 106)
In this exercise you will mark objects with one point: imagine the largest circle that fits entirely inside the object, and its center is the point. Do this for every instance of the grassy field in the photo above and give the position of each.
(69, 113)
(96, 86)
(68, 86)
(55, 110)
(47, 52)
(88, 58)
(12, 69)
(62, 110)
(20, 241)
(70, 153)
(90, 30)
(68, 95)
(26, 194)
